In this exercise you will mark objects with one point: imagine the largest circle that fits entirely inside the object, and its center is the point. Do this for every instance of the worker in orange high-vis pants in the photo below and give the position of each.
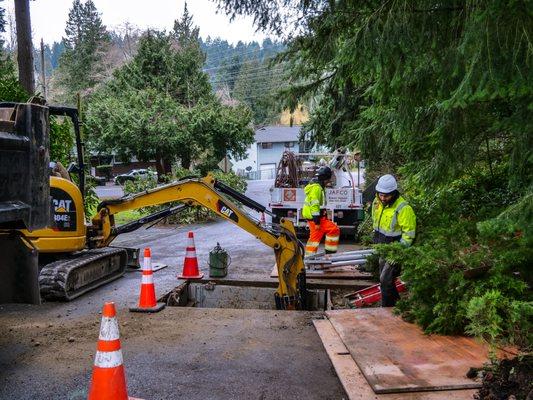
(316, 216)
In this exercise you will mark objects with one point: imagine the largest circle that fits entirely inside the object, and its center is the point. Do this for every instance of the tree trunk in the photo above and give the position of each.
(163, 167)
(185, 161)
(167, 166)
(159, 166)
(24, 45)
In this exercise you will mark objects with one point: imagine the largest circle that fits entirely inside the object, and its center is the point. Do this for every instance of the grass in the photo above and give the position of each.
(127, 216)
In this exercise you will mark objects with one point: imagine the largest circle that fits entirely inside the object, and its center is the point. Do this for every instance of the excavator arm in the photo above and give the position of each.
(215, 196)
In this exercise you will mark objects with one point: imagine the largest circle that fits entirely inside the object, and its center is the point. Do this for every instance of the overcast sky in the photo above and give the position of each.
(49, 17)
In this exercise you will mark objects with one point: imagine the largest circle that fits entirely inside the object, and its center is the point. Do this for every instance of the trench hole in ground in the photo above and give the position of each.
(219, 295)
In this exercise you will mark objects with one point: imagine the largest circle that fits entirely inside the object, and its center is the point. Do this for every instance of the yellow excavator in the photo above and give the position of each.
(75, 257)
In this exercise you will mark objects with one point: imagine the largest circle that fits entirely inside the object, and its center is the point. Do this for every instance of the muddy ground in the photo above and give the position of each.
(178, 353)
(47, 351)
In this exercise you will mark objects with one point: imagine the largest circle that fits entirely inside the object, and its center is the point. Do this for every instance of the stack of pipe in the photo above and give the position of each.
(327, 261)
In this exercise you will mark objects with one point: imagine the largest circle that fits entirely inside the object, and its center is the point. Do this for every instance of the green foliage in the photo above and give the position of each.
(439, 93)
(192, 214)
(139, 185)
(160, 106)
(494, 317)
(91, 200)
(434, 87)
(256, 85)
(10, 88)
(246, 72)
(234, 181)
(61, 140)
(81, 64)
(466, 276)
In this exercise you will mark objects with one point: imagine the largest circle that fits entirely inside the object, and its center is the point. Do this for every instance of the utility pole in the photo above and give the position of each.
(43, 75)
(24, 45)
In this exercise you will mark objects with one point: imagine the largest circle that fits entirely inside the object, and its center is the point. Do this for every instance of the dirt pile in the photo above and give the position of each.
(509, 380)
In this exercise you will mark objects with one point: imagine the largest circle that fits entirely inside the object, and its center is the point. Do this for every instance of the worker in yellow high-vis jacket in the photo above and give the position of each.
(393, 220)
(316, 215)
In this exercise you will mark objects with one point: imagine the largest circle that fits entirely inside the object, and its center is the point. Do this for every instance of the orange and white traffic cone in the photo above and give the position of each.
(190, 265)
(109, 380)
(147, 299)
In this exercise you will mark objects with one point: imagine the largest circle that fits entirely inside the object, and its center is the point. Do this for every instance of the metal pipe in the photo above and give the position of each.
(350, 262)
(322, 254)
(362, 251)
(349, 257)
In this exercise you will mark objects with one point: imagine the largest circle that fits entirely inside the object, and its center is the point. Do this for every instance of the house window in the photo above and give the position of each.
(289, 144)
(267, 145)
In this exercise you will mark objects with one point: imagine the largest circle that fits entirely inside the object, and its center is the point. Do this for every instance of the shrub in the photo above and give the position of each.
(469, 271)
(190, 215)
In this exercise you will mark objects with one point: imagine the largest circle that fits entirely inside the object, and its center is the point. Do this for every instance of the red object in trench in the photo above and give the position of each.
(372, 294)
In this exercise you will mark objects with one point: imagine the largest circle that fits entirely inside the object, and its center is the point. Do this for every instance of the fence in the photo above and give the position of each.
(258, 175)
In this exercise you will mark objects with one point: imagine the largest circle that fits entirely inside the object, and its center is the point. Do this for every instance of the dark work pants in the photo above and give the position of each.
(387, 276)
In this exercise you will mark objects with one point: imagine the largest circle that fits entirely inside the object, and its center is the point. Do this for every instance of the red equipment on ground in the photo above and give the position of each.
(371, 295)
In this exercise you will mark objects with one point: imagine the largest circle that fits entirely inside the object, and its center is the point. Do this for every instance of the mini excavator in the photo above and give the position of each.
(74, 257)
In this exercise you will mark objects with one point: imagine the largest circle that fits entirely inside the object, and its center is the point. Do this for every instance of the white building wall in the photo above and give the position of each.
(249, 161)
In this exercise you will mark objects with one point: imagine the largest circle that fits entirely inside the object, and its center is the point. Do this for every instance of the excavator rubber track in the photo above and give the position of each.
(68, 279)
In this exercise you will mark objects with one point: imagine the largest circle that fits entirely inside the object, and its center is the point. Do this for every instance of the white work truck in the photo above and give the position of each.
(344, 203)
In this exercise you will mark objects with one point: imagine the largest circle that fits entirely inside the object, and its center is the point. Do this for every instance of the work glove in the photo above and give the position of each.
(316, 220)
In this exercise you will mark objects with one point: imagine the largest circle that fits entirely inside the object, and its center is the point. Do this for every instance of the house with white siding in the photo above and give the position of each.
(265, 153)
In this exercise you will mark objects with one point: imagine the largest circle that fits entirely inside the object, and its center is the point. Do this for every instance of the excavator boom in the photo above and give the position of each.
(214, 195)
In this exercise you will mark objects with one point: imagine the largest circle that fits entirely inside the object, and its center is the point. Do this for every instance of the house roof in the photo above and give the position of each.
(276, 134)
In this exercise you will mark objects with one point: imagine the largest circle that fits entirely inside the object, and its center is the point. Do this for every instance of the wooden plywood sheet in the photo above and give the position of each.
(396, 356)
(345, 272)
(354, 382)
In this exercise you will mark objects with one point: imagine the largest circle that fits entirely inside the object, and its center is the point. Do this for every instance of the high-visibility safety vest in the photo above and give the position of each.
(393, 223)
(314, 199)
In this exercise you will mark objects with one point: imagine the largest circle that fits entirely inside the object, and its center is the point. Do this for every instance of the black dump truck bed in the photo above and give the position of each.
(24, 160)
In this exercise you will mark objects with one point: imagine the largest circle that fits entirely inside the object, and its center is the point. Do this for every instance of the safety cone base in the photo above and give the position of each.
(199, 276)
(158, 307)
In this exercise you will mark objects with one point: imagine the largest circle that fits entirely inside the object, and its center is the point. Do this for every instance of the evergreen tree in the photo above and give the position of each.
(56, 51)
(438, 92)
(160, 106)
(184, 30)
(256, 86)
(10, 88)
(86, 38)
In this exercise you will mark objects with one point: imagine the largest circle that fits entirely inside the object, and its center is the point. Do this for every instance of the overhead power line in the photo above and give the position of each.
(235, 77)
(240, 63)
(235, 53)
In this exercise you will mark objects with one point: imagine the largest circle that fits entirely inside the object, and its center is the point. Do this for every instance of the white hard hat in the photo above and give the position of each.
(386, 184)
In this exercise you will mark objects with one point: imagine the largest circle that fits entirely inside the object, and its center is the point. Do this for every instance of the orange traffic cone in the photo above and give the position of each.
(108, 380)
(190, 265)
(147, 299)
